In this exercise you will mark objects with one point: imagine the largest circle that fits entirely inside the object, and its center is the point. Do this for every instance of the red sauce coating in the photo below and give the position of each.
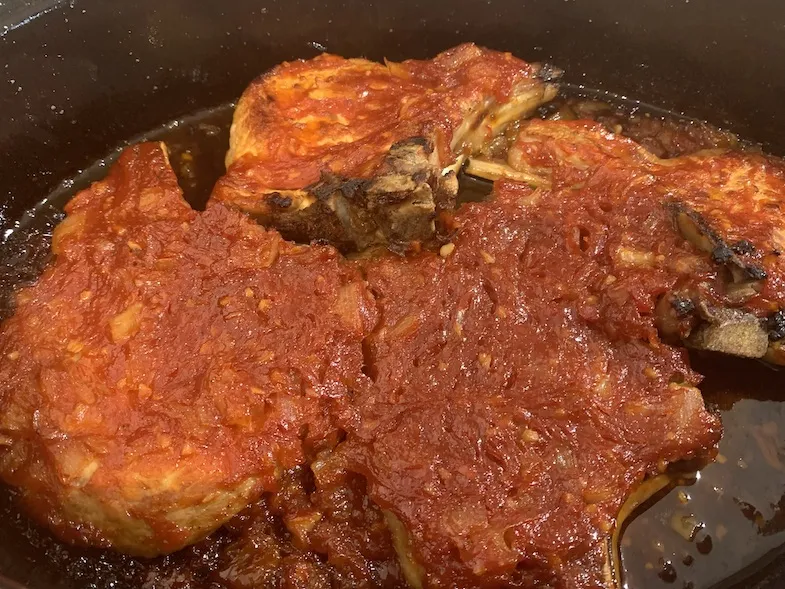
(614, 191)
(341, 115)
(507, 423)
(169, 366)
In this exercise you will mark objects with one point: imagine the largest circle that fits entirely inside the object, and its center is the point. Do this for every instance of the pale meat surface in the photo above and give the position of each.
(170, 365)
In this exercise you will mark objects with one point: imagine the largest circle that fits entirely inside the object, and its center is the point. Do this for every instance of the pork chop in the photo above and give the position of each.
(693, 243)
(506, 425)
(170, 365)
(502, 397)
(363, 153)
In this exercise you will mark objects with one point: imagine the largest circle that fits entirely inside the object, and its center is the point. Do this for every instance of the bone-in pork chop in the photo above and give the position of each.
(694, 244)
(505, 425)
(170, 365)
(363, 153)
(501, 397)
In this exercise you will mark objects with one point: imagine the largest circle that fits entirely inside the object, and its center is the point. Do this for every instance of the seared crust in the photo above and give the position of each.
(170, 365)
(340, 117)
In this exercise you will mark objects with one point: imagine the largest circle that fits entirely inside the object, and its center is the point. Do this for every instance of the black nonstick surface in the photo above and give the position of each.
(80, 79)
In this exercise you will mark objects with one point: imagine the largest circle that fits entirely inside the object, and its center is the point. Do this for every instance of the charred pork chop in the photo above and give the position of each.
(170, 365)
(363, 153)
(693, 244)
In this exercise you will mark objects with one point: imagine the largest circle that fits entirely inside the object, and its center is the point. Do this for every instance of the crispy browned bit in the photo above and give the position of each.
(520, 406)
(276, 199)
(399, 206)
(743, 247)
(682, 306)
(675, 317)
(697, 230)
(776, 326)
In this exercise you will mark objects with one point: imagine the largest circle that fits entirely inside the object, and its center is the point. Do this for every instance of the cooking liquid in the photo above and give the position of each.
(726, 520)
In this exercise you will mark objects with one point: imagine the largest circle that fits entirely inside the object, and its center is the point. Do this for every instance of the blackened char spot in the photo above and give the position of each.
(776, 326)
(743, 247)
(682, 306)
(756, 273)
(697, 230)
(420, 176)
(279, 200)
(352, 187)
(722, 254)
(330, 183)
(326, 186)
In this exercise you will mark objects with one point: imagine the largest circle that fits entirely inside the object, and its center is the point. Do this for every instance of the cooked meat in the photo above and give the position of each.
(277, 541)
(662, 136)
(170, 365)
(665, 137)
(506, 424)
(704, 231)
(374, 147)
(396, 207)
(500, 398)
(729, 331)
